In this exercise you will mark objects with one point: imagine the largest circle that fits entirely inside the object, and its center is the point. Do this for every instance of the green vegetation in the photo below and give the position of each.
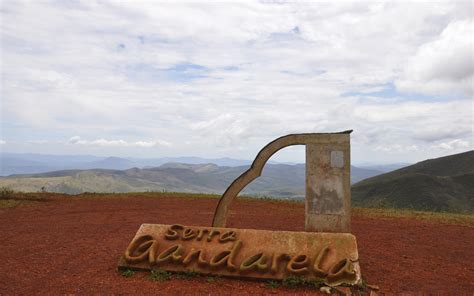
(211, 279)
(10, 198)
(9, 203)
(363, 283)
(443, 184)
(128, 273)
(205, 178)
(160, 275)
(75, 182)
(298, 281)
(184, 275)
(437, 217)
(272, 284)
(6, 193)
(278, 180)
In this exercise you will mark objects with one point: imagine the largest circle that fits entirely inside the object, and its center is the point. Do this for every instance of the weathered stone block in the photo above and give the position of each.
(251, 253)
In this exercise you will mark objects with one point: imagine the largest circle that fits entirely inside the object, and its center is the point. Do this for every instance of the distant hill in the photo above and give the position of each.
(441, 184)
(112, 163)
(277, 180)
(385, 167)
(30, 163)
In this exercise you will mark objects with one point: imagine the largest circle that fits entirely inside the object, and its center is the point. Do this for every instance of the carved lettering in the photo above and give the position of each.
(298, 264)
(341, 272)
(140, 249)
(201, 233)
(173, 254)
(207, 253)
(188, 234)
(172, 232)
(277, 260)
(193, 254)
(318, 263)
(226, 258)
(257, 262)
(228, 236)
(212, 233)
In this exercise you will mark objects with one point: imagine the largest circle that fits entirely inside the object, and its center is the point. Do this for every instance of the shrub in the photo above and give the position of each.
(6, 193)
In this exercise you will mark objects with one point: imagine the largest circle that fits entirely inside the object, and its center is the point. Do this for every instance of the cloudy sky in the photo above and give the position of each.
(222, 79)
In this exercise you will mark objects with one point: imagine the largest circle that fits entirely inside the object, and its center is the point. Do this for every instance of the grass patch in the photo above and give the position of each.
(7, 194)
(438, 217)
(151, 194)
(160, 275)
(293, 282)
(11, 199)
(315, 283)
(127, 273)
(272, 284)
(10, 203)
(184, 275)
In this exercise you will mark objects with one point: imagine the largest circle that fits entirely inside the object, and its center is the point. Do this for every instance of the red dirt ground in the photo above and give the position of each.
(72, 245)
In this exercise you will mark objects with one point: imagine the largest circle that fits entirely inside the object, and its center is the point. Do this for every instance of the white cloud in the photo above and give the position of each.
(437, 132)
(2, 142)
(453, 145)
(117, 143)
(396, 148)
(444, 65)
(223, 79)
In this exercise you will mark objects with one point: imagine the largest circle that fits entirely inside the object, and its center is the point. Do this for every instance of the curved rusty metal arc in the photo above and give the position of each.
(255, 170)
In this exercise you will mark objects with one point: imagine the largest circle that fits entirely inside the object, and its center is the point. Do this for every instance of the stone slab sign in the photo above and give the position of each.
(329, 257)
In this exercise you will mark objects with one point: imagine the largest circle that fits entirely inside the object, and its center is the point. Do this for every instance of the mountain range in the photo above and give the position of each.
(278, 180)
(440, 184)
(29, 163)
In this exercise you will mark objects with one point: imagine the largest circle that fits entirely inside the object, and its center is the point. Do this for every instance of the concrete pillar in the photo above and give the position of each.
(328, 184)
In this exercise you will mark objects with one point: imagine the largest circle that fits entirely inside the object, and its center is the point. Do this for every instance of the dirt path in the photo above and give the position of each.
(72, 246)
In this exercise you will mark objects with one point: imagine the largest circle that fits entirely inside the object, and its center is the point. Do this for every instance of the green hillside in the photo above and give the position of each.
(441, 184)
(277, 180)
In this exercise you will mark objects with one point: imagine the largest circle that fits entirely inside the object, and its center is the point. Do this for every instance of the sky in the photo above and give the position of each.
(222, 79)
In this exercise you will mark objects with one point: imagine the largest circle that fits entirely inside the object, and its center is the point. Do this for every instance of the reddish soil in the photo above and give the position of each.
(72, 245)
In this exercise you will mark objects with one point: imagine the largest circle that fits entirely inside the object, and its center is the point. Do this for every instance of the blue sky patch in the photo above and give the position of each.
(186, 71)
(121, 46)
(183, 72)
(286, 36)
(389, 90)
